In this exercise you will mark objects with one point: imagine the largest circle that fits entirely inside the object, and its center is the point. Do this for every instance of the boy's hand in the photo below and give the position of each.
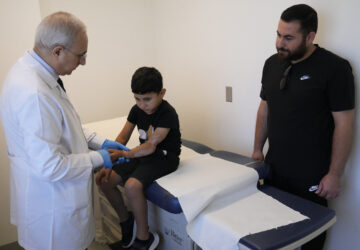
(115, 154)
(102, 176)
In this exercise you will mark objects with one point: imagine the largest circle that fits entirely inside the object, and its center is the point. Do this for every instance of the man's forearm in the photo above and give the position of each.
(341, 144)
(330, 184)
(261, 132)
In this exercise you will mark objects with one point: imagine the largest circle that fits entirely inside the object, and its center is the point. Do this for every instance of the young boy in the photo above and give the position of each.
(156, 156)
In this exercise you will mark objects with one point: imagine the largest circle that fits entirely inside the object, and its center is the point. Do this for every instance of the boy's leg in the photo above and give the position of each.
(126, 218)
(149, 169)
(137, 200)
(114, 196)
(145, 240)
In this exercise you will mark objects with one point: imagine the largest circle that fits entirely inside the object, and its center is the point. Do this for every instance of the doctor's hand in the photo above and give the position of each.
(329, 187)
(258, 156)
(106, 157)
(103, 176)
(114, 145)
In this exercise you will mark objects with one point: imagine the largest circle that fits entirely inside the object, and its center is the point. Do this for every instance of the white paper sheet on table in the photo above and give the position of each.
(221, 202)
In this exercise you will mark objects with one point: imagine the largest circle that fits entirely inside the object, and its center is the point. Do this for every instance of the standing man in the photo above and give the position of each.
(306, 112)
(50, 162)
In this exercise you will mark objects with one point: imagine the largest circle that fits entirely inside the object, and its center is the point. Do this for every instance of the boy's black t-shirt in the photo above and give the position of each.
(164, 117)
(300, 122)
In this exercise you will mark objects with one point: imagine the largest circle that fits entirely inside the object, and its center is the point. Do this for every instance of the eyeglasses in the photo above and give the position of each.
(81, 56)
(284, 79)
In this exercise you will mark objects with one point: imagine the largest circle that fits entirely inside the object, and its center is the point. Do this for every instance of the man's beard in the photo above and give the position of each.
(295, 55)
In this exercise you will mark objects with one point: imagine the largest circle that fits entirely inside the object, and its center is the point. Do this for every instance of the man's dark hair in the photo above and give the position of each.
(303, 13)
(146, 80)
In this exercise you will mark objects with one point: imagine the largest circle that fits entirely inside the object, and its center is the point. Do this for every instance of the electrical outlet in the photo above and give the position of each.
(228, 96)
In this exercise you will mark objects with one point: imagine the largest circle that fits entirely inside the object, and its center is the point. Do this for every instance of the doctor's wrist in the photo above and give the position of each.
(96, 159)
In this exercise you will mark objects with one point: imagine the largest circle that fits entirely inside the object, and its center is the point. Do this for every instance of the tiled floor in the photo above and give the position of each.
(15, 246)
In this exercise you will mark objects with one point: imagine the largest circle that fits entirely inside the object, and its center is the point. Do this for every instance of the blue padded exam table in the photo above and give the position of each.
(285, 237)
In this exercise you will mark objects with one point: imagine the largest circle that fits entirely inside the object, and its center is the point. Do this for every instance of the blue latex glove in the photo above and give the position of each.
(121, 160)
(106, 156)
(114, 145)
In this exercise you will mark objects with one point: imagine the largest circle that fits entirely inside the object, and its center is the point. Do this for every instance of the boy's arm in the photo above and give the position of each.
(125, 133)
(149, 146)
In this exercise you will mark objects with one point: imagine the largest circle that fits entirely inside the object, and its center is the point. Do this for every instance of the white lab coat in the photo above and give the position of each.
(50, 161)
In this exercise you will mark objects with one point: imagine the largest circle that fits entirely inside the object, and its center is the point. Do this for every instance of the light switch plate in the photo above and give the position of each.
(228, 96)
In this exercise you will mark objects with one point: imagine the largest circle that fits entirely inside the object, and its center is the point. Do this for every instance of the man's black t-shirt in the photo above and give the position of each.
(300, 123)
(164, 117)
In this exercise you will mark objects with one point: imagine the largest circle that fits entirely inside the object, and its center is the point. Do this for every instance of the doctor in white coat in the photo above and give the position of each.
(51, 164)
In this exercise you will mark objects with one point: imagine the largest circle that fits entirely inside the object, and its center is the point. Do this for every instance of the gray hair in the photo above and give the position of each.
(58, 29)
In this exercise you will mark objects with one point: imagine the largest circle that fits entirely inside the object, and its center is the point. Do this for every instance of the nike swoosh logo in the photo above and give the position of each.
(304, 77)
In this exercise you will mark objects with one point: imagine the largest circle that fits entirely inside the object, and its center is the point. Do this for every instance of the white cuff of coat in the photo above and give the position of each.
(96, 159)
(96, 142)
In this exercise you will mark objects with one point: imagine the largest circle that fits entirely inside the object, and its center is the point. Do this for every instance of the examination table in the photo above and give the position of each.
(167, 219)
(286, 237)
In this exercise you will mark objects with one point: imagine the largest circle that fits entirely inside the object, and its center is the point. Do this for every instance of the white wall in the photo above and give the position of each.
(200, 47)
